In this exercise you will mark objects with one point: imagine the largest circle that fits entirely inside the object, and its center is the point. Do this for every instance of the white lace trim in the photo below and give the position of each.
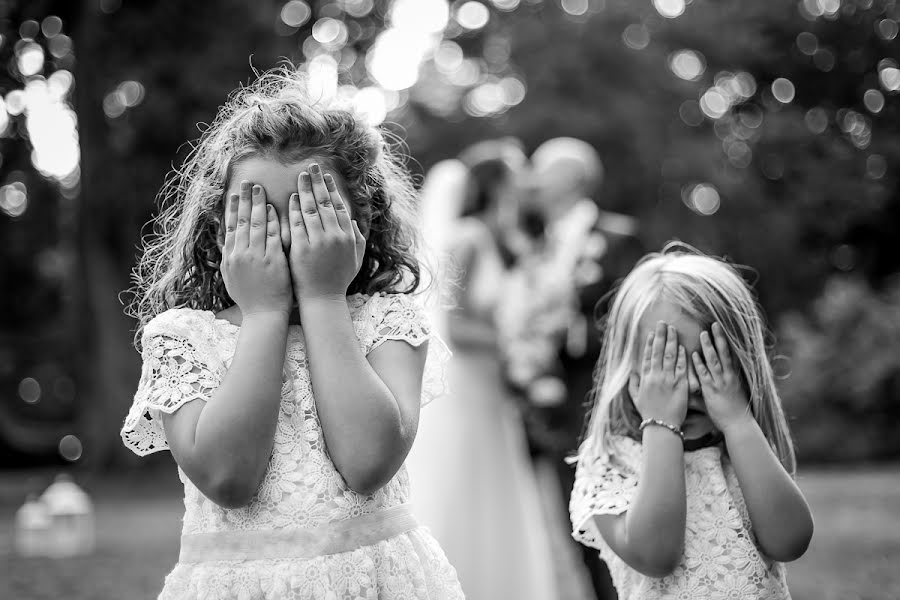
(720, 559)
(177, 368)
(180, 363)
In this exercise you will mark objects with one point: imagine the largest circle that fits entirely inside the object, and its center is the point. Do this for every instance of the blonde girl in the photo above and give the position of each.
(283, 356)
(684, 482)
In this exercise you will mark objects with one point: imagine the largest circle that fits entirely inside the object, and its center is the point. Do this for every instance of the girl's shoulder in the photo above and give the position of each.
(186, 323)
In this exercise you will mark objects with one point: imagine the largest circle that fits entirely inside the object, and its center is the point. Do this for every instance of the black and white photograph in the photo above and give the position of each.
(450, 299)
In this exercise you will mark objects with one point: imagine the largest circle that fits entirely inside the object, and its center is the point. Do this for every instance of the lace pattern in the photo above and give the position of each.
(186, 353)
(721, 558)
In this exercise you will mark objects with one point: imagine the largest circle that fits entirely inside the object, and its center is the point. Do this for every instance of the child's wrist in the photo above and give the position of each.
(663, 424)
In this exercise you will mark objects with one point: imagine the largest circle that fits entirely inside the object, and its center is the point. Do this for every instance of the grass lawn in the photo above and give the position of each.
(855, 554)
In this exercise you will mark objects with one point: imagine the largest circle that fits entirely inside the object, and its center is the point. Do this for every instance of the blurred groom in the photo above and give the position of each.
(583, 250)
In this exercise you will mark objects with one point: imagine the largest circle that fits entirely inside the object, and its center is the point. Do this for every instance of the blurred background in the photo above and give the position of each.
(765, 131)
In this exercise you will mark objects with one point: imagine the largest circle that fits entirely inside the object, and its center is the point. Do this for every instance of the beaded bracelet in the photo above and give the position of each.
(659, 423)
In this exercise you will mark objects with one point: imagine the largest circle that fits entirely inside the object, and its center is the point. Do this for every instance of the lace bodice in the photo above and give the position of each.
(721, 559)
(185, 355)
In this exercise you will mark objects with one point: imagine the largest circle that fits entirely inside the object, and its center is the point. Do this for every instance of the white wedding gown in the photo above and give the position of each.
(471, 475)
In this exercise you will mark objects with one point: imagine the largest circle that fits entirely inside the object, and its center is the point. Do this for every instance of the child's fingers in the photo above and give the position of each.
(242, 232)
(648, 352)
(258, 218)
(670, 352)
(360, 242)
(324, 202)
(721, 343)
(681, 363)
(700, 369)
(273, 231)
(340, 207)
(710, 358)
(299, 234)
(308, 209)
(659, 345)
(230, 222)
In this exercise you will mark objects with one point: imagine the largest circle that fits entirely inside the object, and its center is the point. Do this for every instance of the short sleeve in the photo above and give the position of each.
(179, 365)
(604, 485)
(402, 317)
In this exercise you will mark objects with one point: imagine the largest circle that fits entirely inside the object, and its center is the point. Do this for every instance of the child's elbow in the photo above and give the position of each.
(795, 547)
(366, 482)
(232, 492)
(660, 565)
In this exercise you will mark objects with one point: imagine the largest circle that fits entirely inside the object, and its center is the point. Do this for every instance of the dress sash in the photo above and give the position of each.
(330, 538)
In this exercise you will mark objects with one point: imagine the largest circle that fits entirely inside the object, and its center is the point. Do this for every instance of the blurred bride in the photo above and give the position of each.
(471, 475)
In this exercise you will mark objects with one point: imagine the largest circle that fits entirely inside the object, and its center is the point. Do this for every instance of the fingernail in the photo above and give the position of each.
(245, 185)
(329, 181)
(294, 198)
(314, 168)
(256, 189)
(304, 178)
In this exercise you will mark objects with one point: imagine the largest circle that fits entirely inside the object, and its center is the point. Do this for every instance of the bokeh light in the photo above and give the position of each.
(70, 448)
(30, 59)
(426, 16)
(575, 7)
(703, 198)
(295, 13)
(816, 120)
(807, 43)
(669, 8)
(13, 199)
(505, 5)
(395, 57)
(448, 57)
(890, 78)
(876, 166)
(356, 8)
(30, 390)
(874, 100)
(51, 26)
(472, 15)
(687, 64)
(636, 37)
(886, 29)
(783, 90)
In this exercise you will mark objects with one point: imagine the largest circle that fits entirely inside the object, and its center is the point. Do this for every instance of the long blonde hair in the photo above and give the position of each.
(275, 117)
(708, 290)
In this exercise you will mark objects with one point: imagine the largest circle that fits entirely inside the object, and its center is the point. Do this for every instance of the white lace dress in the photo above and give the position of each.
(721, 559)
(186, 353)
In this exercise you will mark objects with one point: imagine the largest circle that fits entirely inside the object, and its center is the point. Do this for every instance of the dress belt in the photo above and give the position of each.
(329, 538)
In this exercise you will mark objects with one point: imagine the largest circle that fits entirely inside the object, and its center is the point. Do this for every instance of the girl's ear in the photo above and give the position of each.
(634, 386)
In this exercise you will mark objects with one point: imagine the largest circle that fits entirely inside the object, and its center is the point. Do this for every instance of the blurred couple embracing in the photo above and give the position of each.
(529, 256)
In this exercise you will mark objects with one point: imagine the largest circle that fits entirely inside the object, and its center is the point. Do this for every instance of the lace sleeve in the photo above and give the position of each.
(604, 485)
(400, 317)
(177, 367)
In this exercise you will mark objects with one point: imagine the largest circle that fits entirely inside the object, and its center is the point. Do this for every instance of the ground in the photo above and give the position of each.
(854, 554)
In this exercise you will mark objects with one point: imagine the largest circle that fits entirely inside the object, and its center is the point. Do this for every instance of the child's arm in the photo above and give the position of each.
(224, 445)
(650, 535)
(780, 516)
(369, 409)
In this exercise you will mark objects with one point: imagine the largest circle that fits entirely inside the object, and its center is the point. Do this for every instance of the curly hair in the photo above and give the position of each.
(275, 117)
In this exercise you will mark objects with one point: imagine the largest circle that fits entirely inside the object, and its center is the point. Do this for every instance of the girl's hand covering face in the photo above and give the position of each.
(723, 392)
(661, 390)
(327, 247)
(254, 266)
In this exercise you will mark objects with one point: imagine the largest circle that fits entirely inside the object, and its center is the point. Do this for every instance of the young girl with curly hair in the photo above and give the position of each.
(283, 356)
